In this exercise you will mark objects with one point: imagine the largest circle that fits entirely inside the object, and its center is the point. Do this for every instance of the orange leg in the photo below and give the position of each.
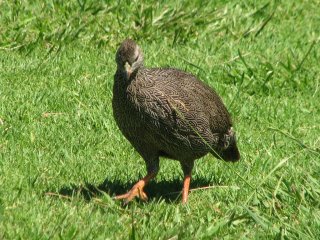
(137, 190)
(185, 190)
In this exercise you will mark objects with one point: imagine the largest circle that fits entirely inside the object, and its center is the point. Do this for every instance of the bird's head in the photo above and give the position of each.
(129, 58)
(227, 147)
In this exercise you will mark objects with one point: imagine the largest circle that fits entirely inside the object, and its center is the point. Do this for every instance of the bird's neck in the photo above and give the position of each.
(123, 77)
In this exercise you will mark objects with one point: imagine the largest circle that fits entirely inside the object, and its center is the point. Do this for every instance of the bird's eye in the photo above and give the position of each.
(136, 58)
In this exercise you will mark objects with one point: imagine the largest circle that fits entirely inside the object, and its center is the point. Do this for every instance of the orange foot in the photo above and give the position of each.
(136, 191)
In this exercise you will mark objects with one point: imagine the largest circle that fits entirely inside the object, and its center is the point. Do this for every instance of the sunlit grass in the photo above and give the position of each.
(62, 157)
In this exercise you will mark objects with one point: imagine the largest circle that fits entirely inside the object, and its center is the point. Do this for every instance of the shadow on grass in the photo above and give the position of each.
(169, 191)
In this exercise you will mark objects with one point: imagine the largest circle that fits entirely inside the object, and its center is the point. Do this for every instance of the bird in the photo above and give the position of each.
(167, 112)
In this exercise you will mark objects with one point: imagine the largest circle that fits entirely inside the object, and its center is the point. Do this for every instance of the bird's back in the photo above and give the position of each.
(171, 111)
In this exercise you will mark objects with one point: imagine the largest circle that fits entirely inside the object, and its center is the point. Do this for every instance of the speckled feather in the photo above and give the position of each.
(168, 112)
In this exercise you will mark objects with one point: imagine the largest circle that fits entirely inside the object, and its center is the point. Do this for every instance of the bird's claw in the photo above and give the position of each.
(136, 191)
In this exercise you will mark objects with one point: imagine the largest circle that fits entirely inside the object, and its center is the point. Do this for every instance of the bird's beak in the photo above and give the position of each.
(128, 69)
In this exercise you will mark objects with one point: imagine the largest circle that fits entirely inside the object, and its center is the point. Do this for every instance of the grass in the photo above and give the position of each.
(62, 157)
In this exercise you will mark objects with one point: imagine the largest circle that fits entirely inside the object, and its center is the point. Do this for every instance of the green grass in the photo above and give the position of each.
(62, 157)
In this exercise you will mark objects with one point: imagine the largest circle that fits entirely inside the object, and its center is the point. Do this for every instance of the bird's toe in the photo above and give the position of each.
(136, 191)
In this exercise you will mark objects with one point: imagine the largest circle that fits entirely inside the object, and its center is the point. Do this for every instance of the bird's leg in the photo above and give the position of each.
(187, 169)
(185, 190)
(137, 189)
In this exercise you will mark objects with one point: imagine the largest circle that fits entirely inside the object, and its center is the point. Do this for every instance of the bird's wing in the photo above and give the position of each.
(175, 101)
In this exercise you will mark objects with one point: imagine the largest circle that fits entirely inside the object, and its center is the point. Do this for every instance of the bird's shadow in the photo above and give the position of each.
(169, 191)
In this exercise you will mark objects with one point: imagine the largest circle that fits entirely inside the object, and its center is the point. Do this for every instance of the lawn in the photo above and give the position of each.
(62, 157)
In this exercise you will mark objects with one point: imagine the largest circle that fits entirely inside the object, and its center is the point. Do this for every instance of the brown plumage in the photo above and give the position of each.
(168, 112)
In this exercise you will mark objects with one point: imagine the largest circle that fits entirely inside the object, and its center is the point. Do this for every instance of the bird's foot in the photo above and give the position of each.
(136, 191)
